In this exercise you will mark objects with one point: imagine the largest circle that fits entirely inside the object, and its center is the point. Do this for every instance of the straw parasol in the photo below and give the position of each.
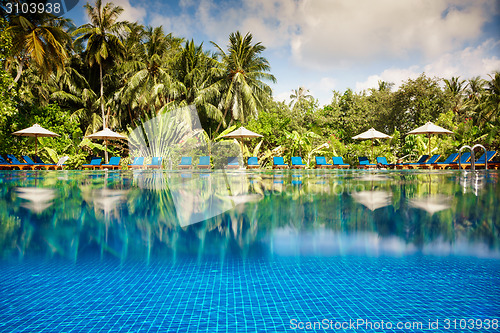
(241, 133)
(35, 131)
(106, 134)
(371, 134)
(429, 129)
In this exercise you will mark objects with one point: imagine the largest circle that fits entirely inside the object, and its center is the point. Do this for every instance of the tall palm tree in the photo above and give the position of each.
(194, 70)
(40, 39)
(489, 108)
(148, 80)
(243, 70)
(300, 95)
(102, 38)
(455, 87)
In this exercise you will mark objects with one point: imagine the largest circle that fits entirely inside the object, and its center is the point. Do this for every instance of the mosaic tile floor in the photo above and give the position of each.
(254, 295)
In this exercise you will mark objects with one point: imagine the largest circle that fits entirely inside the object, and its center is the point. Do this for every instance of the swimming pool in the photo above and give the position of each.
(158, 251)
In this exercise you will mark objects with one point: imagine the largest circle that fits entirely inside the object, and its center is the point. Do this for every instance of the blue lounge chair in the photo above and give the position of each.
(186, 163)
(448, 160)
(364, 163)
(488, 156)
(297, 163)
(57, 165)
(253, 163)
(28, 160)
(114, 163)
(232, 163)
(279, 163)
(204, 162)
(382, 161)
(338, 163)
(465, 158)
(94, 163)
(5, 165)
(155, 163)
(421, 160)
(321, 163)
(16, 164)
(432, 160)
(138, 163)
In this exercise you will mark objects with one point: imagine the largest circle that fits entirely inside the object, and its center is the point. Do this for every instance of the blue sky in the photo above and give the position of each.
(327, 45)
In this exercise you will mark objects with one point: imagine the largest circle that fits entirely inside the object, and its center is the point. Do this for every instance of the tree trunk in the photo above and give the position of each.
(103, 115)
(223, 118)
(102, 97)
(18, 76)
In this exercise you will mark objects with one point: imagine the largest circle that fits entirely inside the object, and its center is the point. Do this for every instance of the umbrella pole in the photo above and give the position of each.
(372, 149)
(36, 144)
(106, 151)
(429, 144)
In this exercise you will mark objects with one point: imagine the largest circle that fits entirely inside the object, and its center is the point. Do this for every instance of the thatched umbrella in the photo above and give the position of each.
(371, 134)
(241, 134)
(106, 134)
(35, 131)
(429, 129)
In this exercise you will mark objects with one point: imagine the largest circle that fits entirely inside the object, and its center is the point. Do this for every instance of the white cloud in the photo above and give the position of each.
(322, 89)
(336, 34)
(131, 13)
(466, 63)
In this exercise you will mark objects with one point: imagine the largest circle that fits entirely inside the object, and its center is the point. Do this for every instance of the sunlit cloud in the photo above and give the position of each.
(466, 63)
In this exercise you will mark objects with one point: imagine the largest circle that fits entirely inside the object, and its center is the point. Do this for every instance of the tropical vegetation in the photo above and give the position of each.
(117, 74)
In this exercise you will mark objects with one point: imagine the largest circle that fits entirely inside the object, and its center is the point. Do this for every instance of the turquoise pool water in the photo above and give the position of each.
(157, 251)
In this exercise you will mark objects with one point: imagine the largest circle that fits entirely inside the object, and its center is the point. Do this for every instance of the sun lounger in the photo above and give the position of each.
(432, 160)
(278, 163)
(204, 162)
(321, 163)
(364, 163)
(155, 163)
(421, 160)
(16, 164)
(138, 163)
(253, 163)
(465, 158)
(114, 163)
(435, 165)
(338, 163)
(488, 156)
(55, 166)
(232, 163)
(297, 163)
(382, 162)
(29, 161)
(94, 163)
(4, 164)
(186, 163)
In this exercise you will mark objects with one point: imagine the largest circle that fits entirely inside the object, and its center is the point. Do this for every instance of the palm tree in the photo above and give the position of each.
(149, 84)
(455, 87)
(102, 40)
(40, 39)
(242, 71)
(300, 95)
(194, 70)
(489, 108)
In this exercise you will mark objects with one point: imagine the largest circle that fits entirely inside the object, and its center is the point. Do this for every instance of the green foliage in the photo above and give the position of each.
(417, 102)
(50, 117)
(64, 91)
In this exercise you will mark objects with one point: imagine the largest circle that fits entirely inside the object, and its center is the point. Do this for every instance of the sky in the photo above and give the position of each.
(326, 45)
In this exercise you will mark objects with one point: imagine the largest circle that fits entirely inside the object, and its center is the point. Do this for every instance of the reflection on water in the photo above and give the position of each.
(155, 214)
